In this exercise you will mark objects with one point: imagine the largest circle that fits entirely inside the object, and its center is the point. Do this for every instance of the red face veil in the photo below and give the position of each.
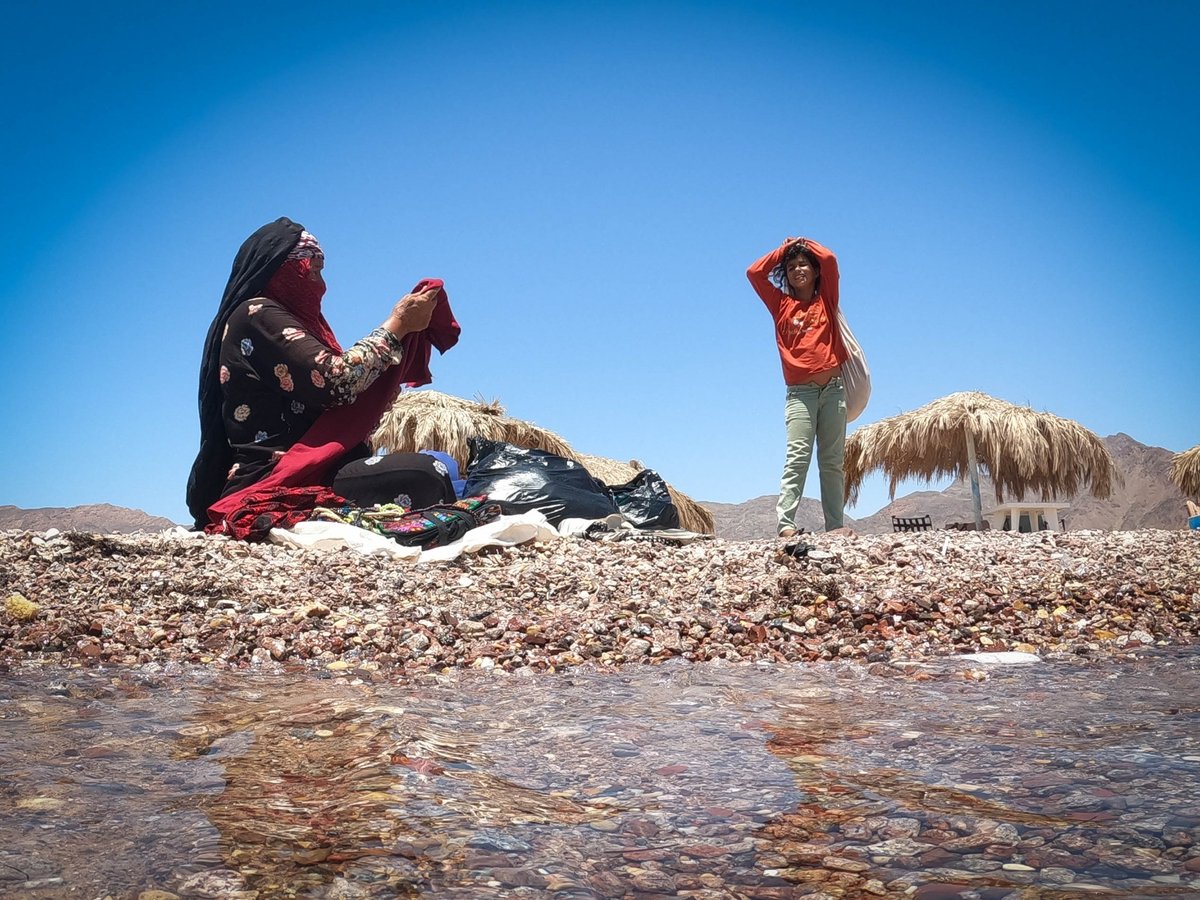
(298, 285)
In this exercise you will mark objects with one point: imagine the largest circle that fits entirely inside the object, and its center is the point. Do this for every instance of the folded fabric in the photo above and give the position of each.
(261, 509)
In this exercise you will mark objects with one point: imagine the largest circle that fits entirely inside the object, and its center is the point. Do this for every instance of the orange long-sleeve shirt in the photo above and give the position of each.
(806, 333)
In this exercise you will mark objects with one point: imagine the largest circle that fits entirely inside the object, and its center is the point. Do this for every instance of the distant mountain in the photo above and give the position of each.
(103, 518)
(1147, 498)
(756, 518)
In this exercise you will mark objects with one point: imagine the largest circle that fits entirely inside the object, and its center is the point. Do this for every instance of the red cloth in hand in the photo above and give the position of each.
(442, 332)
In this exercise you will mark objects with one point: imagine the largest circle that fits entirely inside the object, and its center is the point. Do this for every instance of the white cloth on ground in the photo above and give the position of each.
(505, 531)
(320, 534)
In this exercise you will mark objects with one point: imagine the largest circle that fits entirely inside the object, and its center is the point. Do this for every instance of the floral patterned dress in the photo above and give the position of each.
(277, 379)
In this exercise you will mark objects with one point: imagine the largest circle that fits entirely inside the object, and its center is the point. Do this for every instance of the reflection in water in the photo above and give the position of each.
(705, 781)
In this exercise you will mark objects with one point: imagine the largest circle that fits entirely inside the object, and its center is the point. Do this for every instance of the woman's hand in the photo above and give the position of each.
(412, 312)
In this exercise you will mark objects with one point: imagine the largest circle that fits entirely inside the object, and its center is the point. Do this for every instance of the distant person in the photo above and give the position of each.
(798, 282)
(283, 406)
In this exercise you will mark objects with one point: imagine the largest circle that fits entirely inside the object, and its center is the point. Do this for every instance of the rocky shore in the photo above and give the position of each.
(83, 599)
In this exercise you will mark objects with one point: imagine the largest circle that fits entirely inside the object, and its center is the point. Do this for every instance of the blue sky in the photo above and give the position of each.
(1012, 192)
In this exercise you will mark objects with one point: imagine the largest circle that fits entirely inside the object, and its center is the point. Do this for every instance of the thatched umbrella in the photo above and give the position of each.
(1023, 451)
(430, 420)
(1185, 471)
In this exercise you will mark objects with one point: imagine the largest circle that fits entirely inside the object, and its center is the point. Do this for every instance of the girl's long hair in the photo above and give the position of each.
(779, 274)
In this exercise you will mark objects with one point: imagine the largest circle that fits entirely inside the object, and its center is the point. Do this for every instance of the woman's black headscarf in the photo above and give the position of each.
(257, 260)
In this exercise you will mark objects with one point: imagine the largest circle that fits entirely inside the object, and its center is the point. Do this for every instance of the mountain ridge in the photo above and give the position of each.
(104, 518)
(1144, 497)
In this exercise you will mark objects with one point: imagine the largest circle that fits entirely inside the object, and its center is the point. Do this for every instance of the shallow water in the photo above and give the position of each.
(964, 780)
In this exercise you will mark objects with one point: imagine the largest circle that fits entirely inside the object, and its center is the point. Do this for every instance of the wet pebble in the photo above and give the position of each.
(941, 891)
(514, 877)
(498, 840)
(1056, 875)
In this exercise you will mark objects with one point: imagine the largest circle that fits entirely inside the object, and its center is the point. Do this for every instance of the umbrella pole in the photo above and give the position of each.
(973, 471)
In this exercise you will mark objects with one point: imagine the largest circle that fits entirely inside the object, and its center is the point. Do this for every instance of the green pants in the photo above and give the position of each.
(814, 413)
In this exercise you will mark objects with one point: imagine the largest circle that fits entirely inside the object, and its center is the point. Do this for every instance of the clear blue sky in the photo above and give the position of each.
(1013, 191)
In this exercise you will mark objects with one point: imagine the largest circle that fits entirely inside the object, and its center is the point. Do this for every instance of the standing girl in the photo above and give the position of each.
(798, 282)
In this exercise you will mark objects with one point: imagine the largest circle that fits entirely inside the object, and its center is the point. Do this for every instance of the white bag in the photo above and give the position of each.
(855, 374)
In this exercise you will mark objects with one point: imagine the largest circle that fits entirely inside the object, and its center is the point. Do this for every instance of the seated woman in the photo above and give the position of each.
(282, 406)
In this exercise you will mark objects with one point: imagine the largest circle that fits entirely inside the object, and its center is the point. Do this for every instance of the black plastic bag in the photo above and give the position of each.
(521, 479)
(646, 502)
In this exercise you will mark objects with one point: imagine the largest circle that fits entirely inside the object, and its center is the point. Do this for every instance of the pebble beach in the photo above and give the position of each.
(401, 755)
(83, 599)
